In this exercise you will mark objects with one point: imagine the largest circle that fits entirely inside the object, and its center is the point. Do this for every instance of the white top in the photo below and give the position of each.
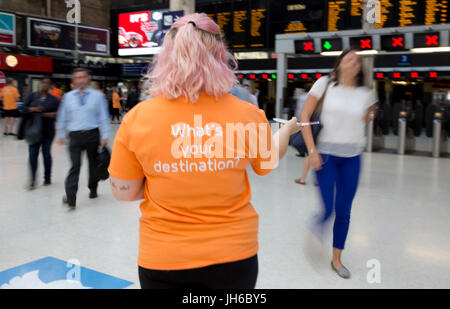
(343, 117)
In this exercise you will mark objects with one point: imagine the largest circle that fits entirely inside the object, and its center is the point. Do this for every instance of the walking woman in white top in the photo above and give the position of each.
(337, 156)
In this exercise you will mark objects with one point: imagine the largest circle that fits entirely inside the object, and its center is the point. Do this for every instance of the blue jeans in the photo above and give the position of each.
(34, 154)
(338, 181)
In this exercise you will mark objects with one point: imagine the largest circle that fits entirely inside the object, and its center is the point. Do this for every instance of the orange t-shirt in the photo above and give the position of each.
(116, 100)
(56, 93)
(10, 95)
(197, 209)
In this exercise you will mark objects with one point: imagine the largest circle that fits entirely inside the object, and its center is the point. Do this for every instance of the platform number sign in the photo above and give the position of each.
(431, 39)
(304, 47)
(404, 60)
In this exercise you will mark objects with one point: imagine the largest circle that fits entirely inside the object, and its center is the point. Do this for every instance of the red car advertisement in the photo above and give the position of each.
(142, 33)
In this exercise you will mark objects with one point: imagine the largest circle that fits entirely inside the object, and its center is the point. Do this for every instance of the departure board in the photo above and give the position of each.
(240, 25)
(258, 24)
(356, 11)
(253, 24)
(337, 15)
(437, 12)
(295, 27)
(224, 18)
(295, 16)
(411, 12)
(386, 13)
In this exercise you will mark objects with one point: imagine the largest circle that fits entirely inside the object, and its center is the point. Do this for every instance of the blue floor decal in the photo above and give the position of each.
(53, 273)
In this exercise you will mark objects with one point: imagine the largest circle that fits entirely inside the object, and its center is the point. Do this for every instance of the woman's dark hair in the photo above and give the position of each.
(335, 74)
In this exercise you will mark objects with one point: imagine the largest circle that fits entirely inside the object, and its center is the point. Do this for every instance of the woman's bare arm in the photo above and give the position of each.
(127, 190)
(308, 110)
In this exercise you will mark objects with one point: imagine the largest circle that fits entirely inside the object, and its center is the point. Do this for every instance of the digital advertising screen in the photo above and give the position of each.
(142, 33)
(7, 29)
(59, 36)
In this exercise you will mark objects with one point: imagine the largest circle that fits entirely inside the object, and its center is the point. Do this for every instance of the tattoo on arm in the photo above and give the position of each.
(113, 184)
(124, 188)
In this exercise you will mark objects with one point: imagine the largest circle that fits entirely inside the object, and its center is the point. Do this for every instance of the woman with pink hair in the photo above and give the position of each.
(185, 153)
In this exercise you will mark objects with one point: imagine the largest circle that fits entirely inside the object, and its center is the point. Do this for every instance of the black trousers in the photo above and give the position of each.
(115, 114)
(82, 141)
(236, 275)
(46, 144)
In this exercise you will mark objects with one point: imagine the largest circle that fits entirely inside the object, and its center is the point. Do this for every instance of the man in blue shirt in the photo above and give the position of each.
(84, 114)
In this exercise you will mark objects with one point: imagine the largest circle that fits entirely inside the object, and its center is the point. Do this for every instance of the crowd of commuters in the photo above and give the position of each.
(198, 226)
(44, 105)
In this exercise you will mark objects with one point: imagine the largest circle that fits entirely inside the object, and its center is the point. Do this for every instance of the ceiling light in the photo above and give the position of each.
(331, 53)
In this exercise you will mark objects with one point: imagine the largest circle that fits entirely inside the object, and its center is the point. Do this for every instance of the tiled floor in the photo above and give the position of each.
(400, 217)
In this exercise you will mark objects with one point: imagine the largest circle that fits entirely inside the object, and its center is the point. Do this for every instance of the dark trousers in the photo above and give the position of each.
(236, 275)
(338, 181)
(33, 151)
(80, 141)
(115, 114)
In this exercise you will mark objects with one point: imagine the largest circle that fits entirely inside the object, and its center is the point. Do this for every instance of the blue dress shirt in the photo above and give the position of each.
(80, 112)
(241, 93)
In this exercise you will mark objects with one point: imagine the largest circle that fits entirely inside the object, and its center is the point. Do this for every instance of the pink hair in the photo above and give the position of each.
(193, 59)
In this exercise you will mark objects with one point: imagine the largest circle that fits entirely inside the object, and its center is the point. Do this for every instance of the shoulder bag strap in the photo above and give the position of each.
(319, 107)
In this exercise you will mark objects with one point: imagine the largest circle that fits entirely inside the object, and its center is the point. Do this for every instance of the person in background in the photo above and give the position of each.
(253, 99)
(25, 93)
(257, 94)
(206, 234)
(84, 114)
(132, 98)
(241, 92)
(301, 100)
(47, 105)
(292, 103)
(337, 156)
(55, 91)
(144, 90)
(123, 92)
(10, 96)
(109, 95)
(95, 85)
(117, 107)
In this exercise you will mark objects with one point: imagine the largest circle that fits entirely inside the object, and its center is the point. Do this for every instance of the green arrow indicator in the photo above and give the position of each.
(327, 45)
